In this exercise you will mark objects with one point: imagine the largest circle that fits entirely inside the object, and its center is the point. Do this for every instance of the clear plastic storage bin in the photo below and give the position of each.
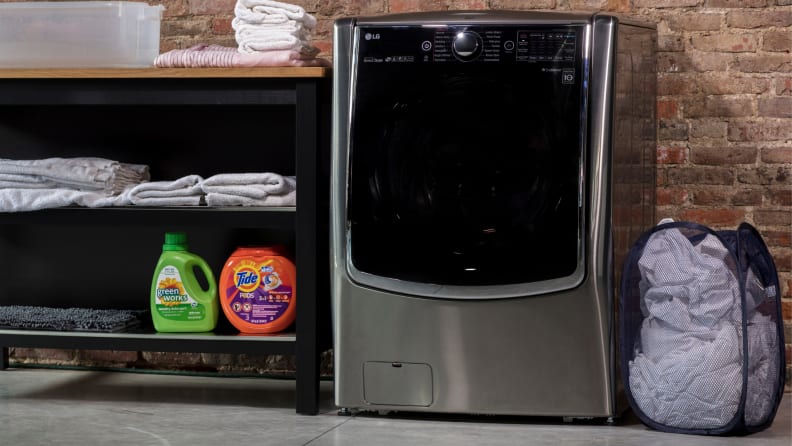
(79, 34)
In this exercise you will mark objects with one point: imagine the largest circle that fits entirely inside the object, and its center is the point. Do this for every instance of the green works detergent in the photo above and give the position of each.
(178, 302)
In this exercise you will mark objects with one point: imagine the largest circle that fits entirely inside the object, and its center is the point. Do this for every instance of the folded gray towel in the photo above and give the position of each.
(250, 189)
(80, 173)
(185, 191)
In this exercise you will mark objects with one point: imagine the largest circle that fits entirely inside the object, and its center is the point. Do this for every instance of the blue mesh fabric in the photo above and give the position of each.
(700, 337)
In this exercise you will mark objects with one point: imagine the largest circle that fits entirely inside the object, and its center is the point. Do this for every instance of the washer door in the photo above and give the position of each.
(467, 173)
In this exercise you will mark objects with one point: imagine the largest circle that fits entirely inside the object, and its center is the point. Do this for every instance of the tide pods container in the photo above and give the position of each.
(257, 291)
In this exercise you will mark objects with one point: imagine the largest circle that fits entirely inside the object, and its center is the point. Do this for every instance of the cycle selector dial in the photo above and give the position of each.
(467, 45)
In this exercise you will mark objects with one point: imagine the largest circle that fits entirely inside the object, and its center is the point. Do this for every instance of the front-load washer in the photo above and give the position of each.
(489, 171)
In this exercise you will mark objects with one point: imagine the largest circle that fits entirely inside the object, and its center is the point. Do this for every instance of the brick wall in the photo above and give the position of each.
(724, 107)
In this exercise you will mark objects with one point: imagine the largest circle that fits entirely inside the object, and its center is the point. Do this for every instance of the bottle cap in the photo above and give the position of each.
(175, 241)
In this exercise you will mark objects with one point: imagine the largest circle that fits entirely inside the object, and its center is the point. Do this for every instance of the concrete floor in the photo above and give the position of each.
(85, 408)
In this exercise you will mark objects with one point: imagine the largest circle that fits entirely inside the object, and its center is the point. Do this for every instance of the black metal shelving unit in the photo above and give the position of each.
(299, 94)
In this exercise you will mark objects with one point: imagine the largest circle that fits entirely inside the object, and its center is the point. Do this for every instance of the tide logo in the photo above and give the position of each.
(246, 279)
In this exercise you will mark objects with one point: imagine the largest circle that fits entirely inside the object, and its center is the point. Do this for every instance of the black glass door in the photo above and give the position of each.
(466, 154)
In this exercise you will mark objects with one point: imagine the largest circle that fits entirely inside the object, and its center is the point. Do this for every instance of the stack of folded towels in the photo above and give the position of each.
(268, 33)
(27, 185)
(266, 25)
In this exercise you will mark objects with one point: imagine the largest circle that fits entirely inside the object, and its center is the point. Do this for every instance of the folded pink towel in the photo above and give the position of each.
(216, 56)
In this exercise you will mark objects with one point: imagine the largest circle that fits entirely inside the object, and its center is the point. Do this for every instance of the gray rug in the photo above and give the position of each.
(69, 319)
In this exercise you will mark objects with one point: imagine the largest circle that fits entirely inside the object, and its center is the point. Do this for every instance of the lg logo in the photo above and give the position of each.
(371, 36)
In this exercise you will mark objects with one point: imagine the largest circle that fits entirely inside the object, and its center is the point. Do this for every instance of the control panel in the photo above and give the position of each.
(557, 45)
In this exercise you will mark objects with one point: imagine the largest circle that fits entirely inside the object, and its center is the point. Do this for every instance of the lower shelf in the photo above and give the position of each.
(149, 340)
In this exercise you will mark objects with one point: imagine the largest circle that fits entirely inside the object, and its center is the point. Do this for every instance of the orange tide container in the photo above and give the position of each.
(257, 290)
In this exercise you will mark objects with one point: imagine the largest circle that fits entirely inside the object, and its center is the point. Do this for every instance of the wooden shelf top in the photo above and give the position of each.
(160, 73)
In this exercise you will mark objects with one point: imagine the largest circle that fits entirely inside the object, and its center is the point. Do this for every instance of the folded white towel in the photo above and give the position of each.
(252, 185)
(81, 173)
(185, 191)
(272, 42)
(250, 189)
(261, 11)
(218, 199)
(19, 200)
(244, 30)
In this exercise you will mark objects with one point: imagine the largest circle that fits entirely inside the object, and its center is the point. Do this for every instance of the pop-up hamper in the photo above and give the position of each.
(702, 342)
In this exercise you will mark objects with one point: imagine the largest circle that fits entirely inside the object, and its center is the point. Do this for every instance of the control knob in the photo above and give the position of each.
(467, 46)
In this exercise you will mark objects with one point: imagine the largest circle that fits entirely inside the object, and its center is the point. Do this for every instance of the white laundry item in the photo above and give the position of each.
(212, 56)
(261, 8)
(185, 191)
(696, 385)
(26, 182)
(81, 173)
(250, 189)
(245, 31)
(218, 199)
(19, 200)
(683, 284)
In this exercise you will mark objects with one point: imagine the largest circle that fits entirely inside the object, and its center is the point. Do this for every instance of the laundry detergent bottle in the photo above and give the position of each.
(178, 301)
(257, 290)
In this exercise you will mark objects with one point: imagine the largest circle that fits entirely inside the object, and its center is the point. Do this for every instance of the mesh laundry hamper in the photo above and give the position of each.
(702, 342)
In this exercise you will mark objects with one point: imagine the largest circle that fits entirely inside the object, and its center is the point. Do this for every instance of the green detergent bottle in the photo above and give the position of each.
(178, 302)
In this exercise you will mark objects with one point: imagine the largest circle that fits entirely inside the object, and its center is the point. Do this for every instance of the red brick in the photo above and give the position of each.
(49, 355)
(672, 130)
(222, 25)
(759, 19)
(719, 106)
(676, 84)
(779, 238)
(667, 196)
(780, 107)
(712, 196)
(701, 175)
(777, 155)
(664, 3)
(172, 358)
(433, 5)
(759, 131)
(768, 217)
(761, 63)
(707, 128)
(671, 154)
(106, 357)
(747, 197)
(735, 3)
(472, 5)
(349, 8)
(766, 175)
(715, 217)
(780, 197)
(721, 42)
(186, 27)
(684, 62)
(670, 42)
(211, 7)
(173, 8)
(723, 155)
(667, 109)
(513, 4)
(726, 83)
(783, 86)
(691, 21)
(782, 258)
